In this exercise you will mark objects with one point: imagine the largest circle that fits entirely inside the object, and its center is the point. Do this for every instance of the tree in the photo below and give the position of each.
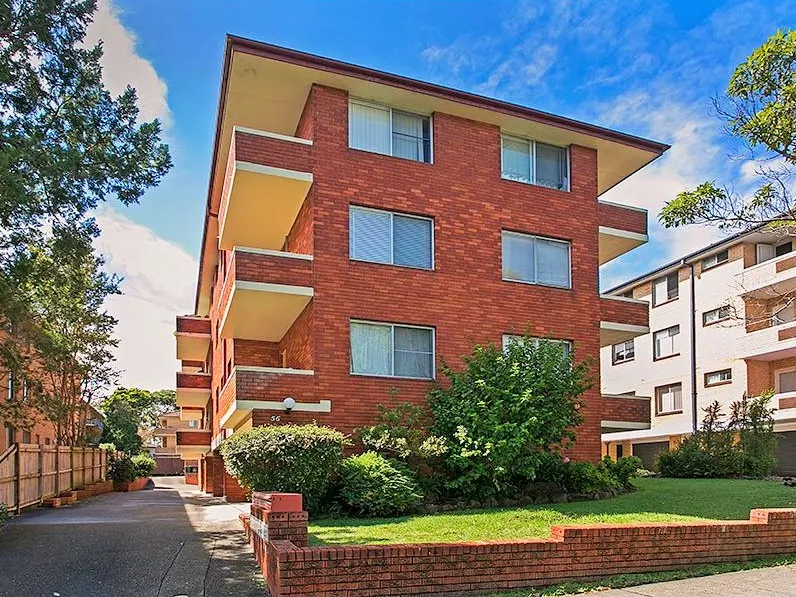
(128, 411)
(504, 414)
(759, 111)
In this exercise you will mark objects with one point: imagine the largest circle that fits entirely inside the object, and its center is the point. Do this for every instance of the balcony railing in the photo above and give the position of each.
(622, 319)
(193, 338)
(264, 388)
(267, 179)
(768, 279)
(622, 229)
(264, 292)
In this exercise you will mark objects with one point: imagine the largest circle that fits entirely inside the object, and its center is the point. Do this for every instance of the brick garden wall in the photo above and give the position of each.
(577, 552)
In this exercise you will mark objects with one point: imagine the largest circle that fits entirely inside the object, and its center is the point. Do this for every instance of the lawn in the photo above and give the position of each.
(657, 500)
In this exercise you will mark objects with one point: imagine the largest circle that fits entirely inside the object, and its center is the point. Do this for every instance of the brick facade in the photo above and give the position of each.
(577, 552)
(626, 408)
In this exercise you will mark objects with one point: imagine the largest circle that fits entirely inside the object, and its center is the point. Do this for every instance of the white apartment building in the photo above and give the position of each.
(722, 323)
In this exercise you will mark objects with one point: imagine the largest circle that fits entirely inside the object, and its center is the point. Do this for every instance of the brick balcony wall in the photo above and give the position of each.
(626, 409)
(196, 381)
(271, 269)
(786, 264)
(193, 438)
(268, 151)
(577, 552)
(622, 218)
(619, 311)
(192, 325)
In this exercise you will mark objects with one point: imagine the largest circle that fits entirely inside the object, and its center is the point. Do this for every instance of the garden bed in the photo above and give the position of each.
(657, 500)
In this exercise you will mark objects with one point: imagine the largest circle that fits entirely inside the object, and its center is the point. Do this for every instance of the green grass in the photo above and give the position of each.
(631, 580)
(657, 500)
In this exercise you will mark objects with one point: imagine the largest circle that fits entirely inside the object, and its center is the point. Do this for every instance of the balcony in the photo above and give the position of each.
(264, 292)
(188, 413)
(267, 179)
(622, 229)
(193, 443)
(625, 413)
(622, 319)
(770, 343)
(193, 338)
(769, 279)
(193, 389)
(264, 388)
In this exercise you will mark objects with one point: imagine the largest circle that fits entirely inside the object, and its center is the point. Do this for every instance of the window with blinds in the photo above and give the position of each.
(381, 129)
(666, 343)
(716, 378)
(395, 239)
(669, 399)
(392, 350)
(536, 163)
(536, 260)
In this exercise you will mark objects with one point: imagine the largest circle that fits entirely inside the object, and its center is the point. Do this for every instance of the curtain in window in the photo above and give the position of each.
(552, 263)
(518, 257)
(551, 166)
(369, 128)
(516, 159)
(409, 135)
(412, 241)
(413, 352)
(787, 382)
(371, 350)
(369, 235)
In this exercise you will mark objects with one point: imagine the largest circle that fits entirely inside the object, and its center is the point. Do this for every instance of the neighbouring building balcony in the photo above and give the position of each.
(621, 412)
(622, 229)
(267, 179)
(622, 318)
(770, 343)
(193, 337)
(193, 389)
(769, 279)
(264, 388)
(264, 292)
(188, 413)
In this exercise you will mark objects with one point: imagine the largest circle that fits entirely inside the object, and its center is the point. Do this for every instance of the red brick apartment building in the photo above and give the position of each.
(360, 226)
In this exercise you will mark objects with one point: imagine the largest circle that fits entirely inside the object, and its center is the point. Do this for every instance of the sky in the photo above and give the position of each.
(646, 67)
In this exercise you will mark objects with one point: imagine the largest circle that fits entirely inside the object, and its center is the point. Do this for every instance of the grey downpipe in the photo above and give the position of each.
(693, 352)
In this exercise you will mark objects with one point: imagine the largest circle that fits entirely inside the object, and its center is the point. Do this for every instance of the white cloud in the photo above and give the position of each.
(159, 280)
(121, 65)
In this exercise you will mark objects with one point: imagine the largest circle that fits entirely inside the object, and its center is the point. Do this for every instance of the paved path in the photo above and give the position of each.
(779, 581)
(168, 541)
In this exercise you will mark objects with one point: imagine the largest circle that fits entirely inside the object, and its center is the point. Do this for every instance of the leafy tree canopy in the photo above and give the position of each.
(129, 410)
(759, 111)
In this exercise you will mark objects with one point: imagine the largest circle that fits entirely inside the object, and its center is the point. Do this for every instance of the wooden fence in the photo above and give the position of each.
(31, 473)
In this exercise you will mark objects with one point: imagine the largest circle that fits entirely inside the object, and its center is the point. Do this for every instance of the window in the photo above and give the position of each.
(536, 163)
(715, 259)
(535, 260)
(381, 129)
(26, 437)
(716, 315)
(565, 345)
(10, 386)
(620, 451)
(667, 342)
(24, 390)
(716, 378)
(385, 237)
(392, 350)
(46, 441)
(783, 314)
(665, 289)
(627, 294)
(669, 399)
(786, 381)
(193, 424)
(783, 249)
(624, 351)
(10, 435)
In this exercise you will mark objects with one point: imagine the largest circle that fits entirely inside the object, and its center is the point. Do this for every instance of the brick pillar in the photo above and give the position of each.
(202, 473)
(233, 492)
(279, 517)
(218, 477)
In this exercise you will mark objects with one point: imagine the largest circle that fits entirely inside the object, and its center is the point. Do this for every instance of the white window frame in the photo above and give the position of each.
(713, 260)
(667, 386)
(656, 303)
(532, 157)
(721, 381)
(535, 259)
(392, 327)
(392, 215)
(716, 310)
(614, 360)
(779, 372)
(656, 357)
(362, 102)
(509, 337)
(10, 383)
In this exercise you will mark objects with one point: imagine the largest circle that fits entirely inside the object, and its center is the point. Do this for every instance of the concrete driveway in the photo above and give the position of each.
(166, 541)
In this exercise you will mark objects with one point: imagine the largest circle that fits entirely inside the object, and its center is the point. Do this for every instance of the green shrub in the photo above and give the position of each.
(290, 458)
(144, 465)
(3, 513)
(122, 469)
(376, 486)
(622, 469)
(503, 413)
(108, 447)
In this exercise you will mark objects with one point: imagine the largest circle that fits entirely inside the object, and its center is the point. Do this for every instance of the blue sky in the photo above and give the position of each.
(644, 67)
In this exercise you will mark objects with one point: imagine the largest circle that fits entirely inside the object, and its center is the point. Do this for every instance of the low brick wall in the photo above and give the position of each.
(136, 485)
(94, 489)
(577, 552)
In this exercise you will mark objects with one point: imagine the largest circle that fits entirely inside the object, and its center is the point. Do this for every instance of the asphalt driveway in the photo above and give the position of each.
(167, 541)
